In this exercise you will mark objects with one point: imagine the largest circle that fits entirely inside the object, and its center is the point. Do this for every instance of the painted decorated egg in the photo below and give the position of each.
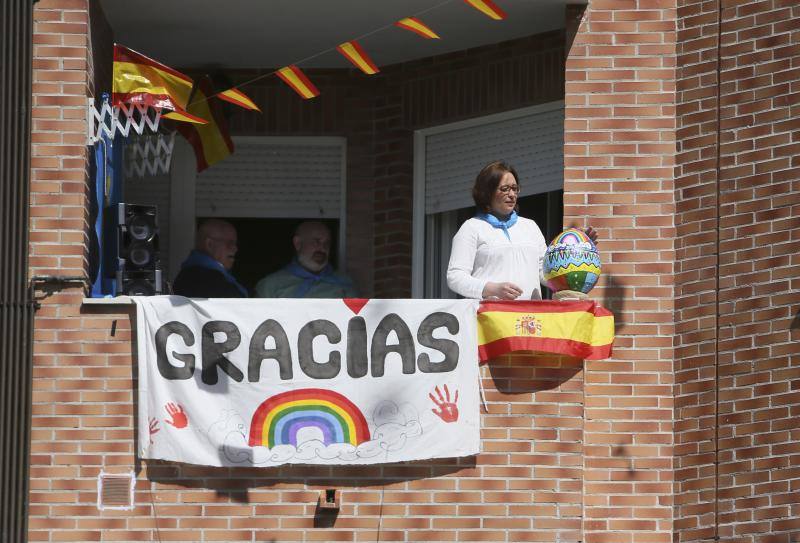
(571, 262)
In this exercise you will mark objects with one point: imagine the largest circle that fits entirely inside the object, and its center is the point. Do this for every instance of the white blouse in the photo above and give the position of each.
(482, 253)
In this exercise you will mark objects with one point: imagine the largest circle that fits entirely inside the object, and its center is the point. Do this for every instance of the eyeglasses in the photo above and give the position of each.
(226, 242)
(505, 189)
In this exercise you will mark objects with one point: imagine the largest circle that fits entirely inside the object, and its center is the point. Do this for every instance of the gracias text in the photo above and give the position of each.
(360, 357)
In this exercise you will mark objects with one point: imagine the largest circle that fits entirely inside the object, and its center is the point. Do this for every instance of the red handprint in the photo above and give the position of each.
(448, 411)
(179, 418)
(153, 428)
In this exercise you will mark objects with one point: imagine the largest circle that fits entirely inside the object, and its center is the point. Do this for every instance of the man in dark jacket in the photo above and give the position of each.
(206, 271)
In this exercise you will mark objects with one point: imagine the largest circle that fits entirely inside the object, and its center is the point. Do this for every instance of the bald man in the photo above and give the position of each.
(206, 272)
(308, 275)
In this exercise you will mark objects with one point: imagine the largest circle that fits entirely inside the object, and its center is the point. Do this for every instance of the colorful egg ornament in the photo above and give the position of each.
(571, 262)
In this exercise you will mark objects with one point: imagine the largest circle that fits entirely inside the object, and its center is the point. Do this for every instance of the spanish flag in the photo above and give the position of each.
(141, 80)
(418, 27)
(295, 78)
(211, 142)
(352, 51)
(576, 328)
(237, 97)
(184, 117)
(488, 8)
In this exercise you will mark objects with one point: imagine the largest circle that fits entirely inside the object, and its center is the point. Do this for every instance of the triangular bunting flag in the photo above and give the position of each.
(487, 7)
(353, 52)
(418, 27)
(295, 78)
(235, 96)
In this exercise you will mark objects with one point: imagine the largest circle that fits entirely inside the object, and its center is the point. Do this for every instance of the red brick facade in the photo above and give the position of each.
(690, 432)
(619, 154)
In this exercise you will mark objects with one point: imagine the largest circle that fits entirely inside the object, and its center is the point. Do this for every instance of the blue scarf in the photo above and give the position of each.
(497, 223)
(202, 260)
(310, 279)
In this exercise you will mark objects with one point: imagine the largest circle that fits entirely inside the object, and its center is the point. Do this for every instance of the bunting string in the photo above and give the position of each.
(334, 48)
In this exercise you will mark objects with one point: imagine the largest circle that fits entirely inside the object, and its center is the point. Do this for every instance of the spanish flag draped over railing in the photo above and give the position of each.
(581, 328)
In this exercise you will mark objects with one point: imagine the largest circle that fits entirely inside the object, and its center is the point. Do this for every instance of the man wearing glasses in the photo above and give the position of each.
(206, 272)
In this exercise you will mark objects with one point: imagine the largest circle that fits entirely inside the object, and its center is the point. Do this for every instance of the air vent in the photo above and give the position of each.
(115, 490)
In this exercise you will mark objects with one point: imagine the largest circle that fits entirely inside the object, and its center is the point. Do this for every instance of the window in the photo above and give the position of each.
(446, 160)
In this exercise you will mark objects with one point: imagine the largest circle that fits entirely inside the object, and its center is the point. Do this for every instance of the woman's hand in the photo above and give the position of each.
(502, 291)
(592, 234)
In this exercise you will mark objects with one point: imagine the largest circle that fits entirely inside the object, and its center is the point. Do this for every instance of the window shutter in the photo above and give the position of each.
(533, 144)
(274, 178)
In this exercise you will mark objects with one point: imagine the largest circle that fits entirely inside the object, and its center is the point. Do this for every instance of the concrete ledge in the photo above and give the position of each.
(119, 300)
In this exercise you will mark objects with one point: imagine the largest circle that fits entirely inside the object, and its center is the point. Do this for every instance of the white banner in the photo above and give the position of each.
(266, 382)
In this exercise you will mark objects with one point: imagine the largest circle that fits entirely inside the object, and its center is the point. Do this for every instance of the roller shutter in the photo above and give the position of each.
(532, 143)
(274, 178)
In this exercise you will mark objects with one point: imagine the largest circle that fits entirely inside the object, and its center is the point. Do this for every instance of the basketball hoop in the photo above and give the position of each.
(148, 155)
(119, 119)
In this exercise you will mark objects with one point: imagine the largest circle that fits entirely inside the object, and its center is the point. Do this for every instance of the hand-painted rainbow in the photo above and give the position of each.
(571, 236)
(279, 418)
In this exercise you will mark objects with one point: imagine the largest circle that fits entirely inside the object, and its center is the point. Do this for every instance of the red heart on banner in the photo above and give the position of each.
(355, 304)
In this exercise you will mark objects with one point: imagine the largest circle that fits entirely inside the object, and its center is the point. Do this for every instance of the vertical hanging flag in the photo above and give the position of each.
(295, 78)
(487, 7)
(418, 27)
(235, 96)
(184, 117)
(211, 142)
(138, 79)
(352, 51)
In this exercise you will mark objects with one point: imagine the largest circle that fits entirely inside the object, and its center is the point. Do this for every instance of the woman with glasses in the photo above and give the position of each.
(497, 255)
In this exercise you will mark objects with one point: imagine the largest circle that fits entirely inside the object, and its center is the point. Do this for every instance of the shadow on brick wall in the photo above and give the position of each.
(614, 299)
(529, 372)
(234, 484)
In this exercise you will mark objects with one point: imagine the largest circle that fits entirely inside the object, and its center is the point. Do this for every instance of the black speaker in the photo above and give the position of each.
(139, 283)
(138, 263)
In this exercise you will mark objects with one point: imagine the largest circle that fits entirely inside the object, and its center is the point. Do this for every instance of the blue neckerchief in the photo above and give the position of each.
(310, 279)
(202, 260)
(497, 223)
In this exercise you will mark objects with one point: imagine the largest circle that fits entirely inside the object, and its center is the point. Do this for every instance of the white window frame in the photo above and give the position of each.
(421, 274)
(183, 203)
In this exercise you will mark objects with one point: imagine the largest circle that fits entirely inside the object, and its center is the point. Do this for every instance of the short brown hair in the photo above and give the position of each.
(487, 182)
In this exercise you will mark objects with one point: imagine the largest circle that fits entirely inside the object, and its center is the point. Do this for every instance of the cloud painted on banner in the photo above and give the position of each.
(394, 426)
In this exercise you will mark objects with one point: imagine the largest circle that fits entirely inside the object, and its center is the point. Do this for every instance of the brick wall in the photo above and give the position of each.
(619, 154)
(735, 299)
(759, 352)
(60, 86)
(627, 457)
(696, 271)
